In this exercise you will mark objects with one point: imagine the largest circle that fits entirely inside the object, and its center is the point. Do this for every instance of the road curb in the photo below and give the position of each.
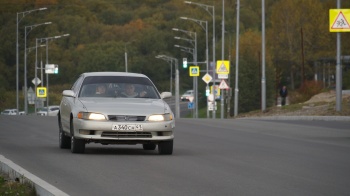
(310, 118)
(16, 172)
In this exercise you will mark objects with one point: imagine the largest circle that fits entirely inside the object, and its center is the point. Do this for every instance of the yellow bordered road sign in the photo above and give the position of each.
(339, 20)
(194, 70)
(215, 90)
(222, 67)
(41, 92)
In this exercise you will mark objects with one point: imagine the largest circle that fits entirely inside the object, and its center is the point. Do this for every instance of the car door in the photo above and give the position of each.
(67, 103)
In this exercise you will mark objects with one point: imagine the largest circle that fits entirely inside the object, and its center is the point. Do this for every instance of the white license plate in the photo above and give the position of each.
(127, 128)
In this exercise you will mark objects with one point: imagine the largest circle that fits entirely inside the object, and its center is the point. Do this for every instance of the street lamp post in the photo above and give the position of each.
(171, 72)
(195, 89)
(25, 62)
(212, 13)
(171, 77)
(237, 62)
(18, 20)
(263, 76)
(177, 96)
(222, 52)
(193, 35)
(46, 39)
(201, 23)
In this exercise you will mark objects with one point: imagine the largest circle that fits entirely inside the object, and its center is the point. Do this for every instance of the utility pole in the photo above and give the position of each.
(263, 77)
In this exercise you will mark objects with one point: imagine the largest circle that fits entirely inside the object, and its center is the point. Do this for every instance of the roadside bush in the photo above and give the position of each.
(346, 80)
(309, 89)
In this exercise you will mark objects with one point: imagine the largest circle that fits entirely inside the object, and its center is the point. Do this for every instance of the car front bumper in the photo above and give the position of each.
(101, 131)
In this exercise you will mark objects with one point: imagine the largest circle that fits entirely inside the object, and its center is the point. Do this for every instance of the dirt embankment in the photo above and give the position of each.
(323, 104)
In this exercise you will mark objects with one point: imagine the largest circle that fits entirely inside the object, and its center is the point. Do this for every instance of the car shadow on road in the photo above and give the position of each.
(124, 150)
(119, 150)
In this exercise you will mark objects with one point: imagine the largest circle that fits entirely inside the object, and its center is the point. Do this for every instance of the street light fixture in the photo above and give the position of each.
(188, 40)
(31, 27)
(205, 27)
(190, 33)
(177, 96)
(186, 49)
(18, 20)
(46, 39)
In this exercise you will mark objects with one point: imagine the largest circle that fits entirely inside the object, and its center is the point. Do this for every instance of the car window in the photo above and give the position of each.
(115, 87)
(43, 109)
(76, 85)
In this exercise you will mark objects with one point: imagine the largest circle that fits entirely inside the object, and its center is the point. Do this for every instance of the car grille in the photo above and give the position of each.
(123, 118)
(126, 134)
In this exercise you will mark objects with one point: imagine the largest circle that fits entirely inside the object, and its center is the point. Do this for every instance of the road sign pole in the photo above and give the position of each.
(338, 71)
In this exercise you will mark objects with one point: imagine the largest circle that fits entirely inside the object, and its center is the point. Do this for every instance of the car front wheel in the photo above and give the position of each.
(64, 141)
(76, 145)
(165, 147)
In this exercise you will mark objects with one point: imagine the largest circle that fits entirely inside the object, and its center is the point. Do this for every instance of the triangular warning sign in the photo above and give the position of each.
(222, 69)
(223, 85)
(340, 22)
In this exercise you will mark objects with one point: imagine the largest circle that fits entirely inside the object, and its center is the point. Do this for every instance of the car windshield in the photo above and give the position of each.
(188, 93)
(118, 86)
(44, 109)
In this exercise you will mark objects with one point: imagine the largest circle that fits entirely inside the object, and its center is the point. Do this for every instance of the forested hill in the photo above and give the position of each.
(102, 32)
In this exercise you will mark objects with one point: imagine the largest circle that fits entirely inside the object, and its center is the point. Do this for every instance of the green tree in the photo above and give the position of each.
(297, 26)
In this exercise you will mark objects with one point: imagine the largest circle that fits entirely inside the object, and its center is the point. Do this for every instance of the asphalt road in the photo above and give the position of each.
(211, 157)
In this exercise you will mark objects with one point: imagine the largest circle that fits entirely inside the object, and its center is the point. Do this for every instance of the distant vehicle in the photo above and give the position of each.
(12, 112)
(115, 108)
(53, 111)
(187, 95)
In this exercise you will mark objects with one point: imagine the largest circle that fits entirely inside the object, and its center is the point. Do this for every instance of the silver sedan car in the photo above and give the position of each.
(115, 108)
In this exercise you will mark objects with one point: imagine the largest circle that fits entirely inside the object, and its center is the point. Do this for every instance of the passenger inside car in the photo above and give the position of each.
(129, 91)
(101, 90)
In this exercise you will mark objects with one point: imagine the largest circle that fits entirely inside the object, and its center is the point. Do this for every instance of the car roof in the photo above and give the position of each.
(114, 74)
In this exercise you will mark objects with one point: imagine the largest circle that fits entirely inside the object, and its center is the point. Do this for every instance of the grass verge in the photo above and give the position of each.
(10, 187)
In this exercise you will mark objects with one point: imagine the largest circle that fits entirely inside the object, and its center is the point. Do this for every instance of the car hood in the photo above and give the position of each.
(125, 106)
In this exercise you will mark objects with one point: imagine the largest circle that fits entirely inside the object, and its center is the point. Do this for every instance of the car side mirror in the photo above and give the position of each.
(68, 93)
(164, 95)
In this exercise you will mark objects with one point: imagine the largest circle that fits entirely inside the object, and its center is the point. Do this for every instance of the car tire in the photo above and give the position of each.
(149, 146)
(76, 145)
(165, 147)
(64, 141)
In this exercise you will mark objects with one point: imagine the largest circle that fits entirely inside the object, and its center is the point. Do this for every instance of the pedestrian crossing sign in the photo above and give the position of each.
(194, 70)
(41, 92)
(223, 85)
(339, 20)
(222, 67)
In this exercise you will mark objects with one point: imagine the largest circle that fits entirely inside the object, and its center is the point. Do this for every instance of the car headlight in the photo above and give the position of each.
(91, 116)
(160, 117)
